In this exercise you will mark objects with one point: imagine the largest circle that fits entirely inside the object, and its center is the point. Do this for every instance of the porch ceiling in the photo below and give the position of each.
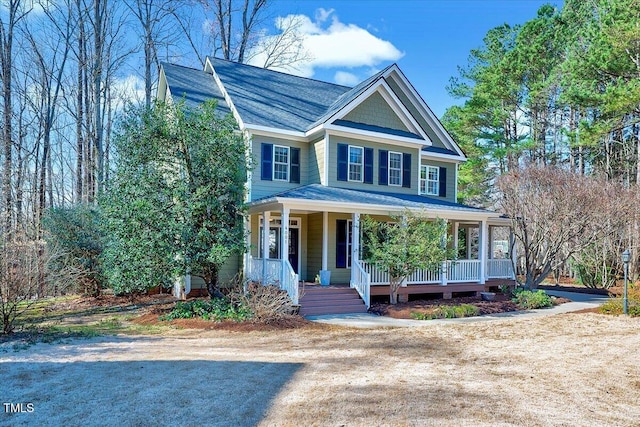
(319, 198)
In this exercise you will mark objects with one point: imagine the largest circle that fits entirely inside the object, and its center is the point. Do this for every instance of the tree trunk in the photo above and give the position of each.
(211, 279)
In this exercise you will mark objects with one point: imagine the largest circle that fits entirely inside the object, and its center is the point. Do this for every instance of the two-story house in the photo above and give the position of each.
(324, 155)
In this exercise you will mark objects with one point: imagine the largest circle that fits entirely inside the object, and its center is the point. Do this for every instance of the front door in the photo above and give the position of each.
(293, 248)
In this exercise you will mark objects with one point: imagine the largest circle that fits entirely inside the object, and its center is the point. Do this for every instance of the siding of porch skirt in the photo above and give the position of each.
(262, 188)
(414, 112)
(333, 169)
(451, 178)
(316, 162)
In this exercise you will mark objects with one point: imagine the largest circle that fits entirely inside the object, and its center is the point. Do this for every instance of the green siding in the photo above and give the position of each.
(316, 162)
(260, 188)
(228, 271)
(314, 245)
(451, 178)
(333, 178)
(414, 112)
(319, 156)
(375, 111)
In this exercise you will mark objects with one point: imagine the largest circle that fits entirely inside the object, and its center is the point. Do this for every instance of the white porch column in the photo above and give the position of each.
(443, 269)
(284, 242)
(355, 243)
(490, 241)
(266, 216)
(455, 227)
(482, 250)
(325, 240)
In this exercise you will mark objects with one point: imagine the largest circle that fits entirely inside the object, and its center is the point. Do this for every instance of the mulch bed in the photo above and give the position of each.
(501, 304)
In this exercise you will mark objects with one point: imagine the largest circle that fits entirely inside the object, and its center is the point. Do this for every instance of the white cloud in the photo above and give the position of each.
(127, 89)
(330, 43)
(346, 79)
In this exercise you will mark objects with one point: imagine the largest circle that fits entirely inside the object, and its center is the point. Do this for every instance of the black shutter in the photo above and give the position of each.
(406, 170)
(343, 161)
(295, 165)
(341, 243)
(442, 176)
(267, 162)
(383, 166)
(368, 165)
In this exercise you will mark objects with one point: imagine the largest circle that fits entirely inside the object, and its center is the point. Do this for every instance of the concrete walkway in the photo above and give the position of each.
(367, 320)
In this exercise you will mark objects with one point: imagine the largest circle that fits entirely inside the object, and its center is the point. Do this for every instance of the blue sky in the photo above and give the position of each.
(429, 39)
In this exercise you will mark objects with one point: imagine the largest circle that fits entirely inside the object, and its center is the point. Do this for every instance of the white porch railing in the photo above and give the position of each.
(274, 275)
(465, 270)
(500, 269)
(361, 282)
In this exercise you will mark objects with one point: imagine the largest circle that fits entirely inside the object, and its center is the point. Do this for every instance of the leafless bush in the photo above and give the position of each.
(267, 303)
(25, 277)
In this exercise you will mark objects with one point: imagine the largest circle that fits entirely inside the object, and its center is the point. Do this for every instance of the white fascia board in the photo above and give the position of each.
(276, 132)
(276, 203)
(372, 136)
(417, 100)
(161, 92)
(440, 156)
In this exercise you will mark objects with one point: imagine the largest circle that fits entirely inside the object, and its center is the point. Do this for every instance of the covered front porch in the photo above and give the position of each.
(318, 231)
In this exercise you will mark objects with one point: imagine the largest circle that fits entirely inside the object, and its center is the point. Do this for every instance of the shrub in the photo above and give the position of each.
(447, 312)
(217, 310)
(530, 300)
(615, 306)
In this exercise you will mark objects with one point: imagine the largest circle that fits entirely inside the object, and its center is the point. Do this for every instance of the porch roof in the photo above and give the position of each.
(316, 197)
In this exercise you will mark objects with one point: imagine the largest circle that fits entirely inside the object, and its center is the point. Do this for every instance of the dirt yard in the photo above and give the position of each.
(571, 369)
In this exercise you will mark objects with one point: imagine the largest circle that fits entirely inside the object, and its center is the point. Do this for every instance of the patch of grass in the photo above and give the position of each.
(447, 312)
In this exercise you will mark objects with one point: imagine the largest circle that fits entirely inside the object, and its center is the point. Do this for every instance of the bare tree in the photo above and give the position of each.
(556, 213)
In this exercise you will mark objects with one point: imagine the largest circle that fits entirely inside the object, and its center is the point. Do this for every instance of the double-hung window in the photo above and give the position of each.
(429, 180)
(280, 163)
(356, 163)
(395, 168)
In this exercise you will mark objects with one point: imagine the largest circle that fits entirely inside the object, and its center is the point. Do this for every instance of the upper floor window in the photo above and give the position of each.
(395, 168)
(429, 180)
(356, 163)
(280, 163)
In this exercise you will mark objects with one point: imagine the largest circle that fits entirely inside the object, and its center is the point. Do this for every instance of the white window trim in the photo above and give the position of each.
(273, 155)
(426, 180)
(349, 164)
(389, 168)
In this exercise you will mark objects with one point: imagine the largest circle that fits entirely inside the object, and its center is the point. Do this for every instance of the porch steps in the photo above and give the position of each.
(318, 300)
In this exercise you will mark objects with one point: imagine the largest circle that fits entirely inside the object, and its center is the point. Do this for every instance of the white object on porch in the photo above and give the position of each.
(286, 279)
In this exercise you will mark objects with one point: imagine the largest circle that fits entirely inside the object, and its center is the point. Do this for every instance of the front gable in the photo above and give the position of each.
(376, 111)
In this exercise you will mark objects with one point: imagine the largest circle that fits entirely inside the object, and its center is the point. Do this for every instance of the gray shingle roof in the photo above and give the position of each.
(317, 192)
(194, 86)
(274, 99)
